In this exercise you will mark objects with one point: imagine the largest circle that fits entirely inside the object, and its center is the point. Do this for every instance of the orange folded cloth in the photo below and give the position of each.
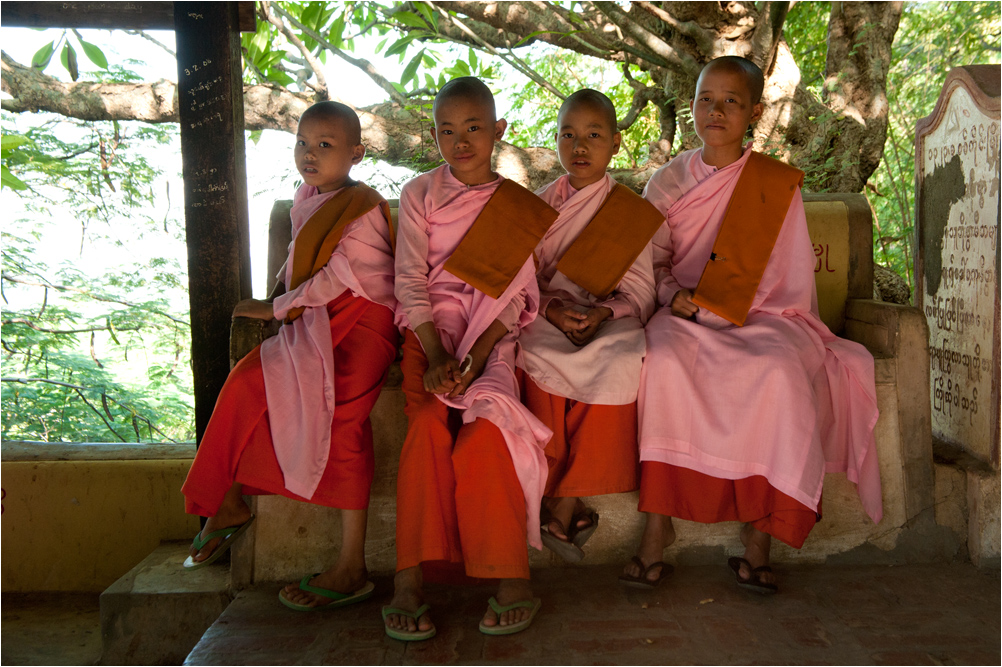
(501, 238)
(316, 241)
(747, 235)
(606, 249)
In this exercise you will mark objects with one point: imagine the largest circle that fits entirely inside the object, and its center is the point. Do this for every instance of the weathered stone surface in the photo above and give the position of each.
(951, 498)
(158, 611)
(983, 524)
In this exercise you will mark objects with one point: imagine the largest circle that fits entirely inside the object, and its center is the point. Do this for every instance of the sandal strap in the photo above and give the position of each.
(498, 609)
(416, 614)
(304, 585)
(200, 541)
(645, 569)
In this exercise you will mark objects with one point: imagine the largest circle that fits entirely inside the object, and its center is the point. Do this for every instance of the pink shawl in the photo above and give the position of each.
(780, 397)
(298, 363)
(606, 371)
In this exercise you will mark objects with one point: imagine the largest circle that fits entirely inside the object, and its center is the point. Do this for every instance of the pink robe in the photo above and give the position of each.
(298, 363)
(781, 397)
(606, 371)
(436, 211)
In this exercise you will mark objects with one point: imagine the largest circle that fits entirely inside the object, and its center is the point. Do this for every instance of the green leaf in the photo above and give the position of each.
(410, 19)
(11, 181)
(280, 78)
(260, 39)
(310, 14)
(12, 141)
(42, 57)
(255, 136)
(68, 56)
(473, 59)
(398, 46)
(94, 54)
(428, 13)
(460, 68)
(429, 60)
(411, 68)
(336, 34)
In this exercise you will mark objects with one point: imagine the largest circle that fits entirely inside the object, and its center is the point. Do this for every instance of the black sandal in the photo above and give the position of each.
(642, 581)
(562, 547)
(754, 582)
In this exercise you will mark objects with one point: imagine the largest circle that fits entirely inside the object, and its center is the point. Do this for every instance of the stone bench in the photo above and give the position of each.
(290, 538)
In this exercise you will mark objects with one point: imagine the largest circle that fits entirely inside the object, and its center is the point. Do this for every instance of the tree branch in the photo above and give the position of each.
(104, 397)
(360, 63)
(661, 52)
(323, 94)
(152, 39)
(704, 38)
(91, 295)
(768, 31)
(32, 325)
(509, 58)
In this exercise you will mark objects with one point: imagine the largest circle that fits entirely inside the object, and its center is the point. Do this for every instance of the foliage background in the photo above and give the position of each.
(95, 347)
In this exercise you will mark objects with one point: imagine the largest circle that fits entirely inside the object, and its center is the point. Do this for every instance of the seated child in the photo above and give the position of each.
(293, 415)
(472, 468)
(740, 423)
(579, 367)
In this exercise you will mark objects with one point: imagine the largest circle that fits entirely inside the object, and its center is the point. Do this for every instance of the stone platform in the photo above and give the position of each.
(836, 614)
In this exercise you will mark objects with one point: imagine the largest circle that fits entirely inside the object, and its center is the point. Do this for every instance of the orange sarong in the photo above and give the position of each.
(686, 494)
(593, 450)
(237, 443)
(458, 497)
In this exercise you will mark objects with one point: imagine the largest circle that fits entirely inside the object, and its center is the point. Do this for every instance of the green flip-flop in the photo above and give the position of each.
(404, 635)
(337, 599)
(228, 535)
(534, 604)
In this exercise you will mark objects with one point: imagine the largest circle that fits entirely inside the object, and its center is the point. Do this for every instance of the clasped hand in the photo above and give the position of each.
(579, 327)
(682, 305)
(444, 374)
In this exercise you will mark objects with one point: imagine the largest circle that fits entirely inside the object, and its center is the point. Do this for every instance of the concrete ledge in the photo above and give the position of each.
(157, 612)
(25, 450)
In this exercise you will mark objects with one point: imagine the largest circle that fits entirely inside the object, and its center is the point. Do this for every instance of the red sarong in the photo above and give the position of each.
(237, 443)
(694, 496)
(593, 450)
(458, 497)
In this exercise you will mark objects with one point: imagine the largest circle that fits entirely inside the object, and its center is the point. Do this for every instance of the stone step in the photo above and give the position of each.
(845, 614)
(157, 612)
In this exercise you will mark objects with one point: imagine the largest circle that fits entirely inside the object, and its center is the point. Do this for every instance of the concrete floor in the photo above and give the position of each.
(911, 614)
(50, 629)
(915, 614)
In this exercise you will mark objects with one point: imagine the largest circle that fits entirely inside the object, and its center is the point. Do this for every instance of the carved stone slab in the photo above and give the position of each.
(957, 257)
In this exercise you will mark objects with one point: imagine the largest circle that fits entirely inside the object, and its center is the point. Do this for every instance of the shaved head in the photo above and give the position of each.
(593, 99)
(341, 115)
(749, 70)
(469, 88)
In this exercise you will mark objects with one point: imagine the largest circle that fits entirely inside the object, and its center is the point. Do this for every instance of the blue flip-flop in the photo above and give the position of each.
(228, 535)
(404, 635)
(337, 599)
(533, 604)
